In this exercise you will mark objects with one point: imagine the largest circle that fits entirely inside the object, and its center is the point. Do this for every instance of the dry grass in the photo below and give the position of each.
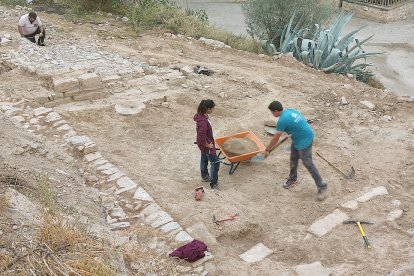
(4, 203)
(90, 266)
(58, 235)
(374, 82)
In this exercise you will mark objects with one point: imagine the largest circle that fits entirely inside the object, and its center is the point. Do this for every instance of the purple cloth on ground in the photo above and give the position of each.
(191, 252)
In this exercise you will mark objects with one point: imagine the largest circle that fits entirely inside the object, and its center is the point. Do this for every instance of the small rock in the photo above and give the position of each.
(396, 202)
(367, 105)
(387, 118)
(344, 101)
(395, 214)
(405, 99)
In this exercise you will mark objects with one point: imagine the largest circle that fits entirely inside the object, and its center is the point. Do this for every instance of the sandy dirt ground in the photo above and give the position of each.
(155, 148)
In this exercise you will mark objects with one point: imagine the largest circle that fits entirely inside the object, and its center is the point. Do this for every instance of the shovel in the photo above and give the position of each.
(260, 156)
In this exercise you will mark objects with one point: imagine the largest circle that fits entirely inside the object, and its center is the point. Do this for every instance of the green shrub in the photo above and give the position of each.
(92, 5)
(13, 2)
(265, 19)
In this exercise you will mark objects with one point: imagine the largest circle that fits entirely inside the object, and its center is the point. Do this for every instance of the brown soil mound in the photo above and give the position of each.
(238, 146)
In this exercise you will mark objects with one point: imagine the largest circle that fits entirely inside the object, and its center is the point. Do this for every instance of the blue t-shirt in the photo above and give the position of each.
(294, 124)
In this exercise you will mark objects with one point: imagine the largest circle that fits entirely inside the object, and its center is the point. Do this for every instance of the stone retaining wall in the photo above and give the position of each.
(400, 11)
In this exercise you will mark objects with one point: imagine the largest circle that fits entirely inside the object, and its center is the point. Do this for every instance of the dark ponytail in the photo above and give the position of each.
(205, 105)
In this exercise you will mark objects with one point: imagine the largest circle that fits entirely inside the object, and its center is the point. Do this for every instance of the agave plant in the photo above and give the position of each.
(326, 51)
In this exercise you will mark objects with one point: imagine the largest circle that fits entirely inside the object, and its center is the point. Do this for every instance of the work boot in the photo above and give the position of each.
(289, 183)
(214, 186)
(205, 178)
(322, 193)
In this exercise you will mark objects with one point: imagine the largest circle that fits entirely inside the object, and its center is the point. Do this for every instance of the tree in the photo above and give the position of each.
(265, 19)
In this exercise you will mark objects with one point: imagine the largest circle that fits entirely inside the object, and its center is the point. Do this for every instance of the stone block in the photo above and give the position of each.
(199, 231)
(313, 269)
(151, 208)
(183, 236)
(41, 111)
(161, 219)
(93, 156)
(395, 214)
(141, 194)
(111, 78)
(170, 227)
(90, 81)
(52, 117)
(367, 105)
(381, 190)
(352, 204)
(327, 223)
(65, 85)
(126, 183)
(255, 254)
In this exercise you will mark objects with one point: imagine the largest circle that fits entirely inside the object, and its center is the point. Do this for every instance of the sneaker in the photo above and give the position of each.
(214, 186)
(322, 193)
(205, 178)
(289, 183)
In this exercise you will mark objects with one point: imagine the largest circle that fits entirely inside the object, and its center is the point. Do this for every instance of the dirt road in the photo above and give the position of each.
(155, 147)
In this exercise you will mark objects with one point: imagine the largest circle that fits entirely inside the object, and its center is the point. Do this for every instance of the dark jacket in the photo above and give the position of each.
(204, 134)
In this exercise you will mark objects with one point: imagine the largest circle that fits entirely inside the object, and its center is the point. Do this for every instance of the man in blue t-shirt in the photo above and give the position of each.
(294, 124)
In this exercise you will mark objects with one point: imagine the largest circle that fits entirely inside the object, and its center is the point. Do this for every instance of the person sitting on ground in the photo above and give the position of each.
(31, 25)
(294, 124)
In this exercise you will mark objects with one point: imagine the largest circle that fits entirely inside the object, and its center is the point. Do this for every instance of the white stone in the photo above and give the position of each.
(105, 167)
(405, 99)
(110, 171)
(93, 156)
(394, 214)
(41, 111)
(118, 212)
(151, 208)
(119, 225)
(396, 202)
(352, 204)
(141, 194)
(257, 253)
(200, 231)
(162, 219)
(367, 105)
(170, 227)
(111, 78)
(323, 225)
(344, 101)
(79, 140)
(387, 118)
(381, 190)
(126, 182)
(90, 81)
(65, 85)
(183, 237)
(115, 176)
(64, 127)
(52, 117)
(313, 269)
(129, 108)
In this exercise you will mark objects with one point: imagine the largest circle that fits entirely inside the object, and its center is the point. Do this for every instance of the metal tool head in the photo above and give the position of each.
(351, 174)
(356, 222)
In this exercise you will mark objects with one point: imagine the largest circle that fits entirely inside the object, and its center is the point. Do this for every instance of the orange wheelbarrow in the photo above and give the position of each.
(234, 161)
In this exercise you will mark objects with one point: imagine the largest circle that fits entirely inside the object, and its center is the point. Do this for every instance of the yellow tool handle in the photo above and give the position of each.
(363, 235)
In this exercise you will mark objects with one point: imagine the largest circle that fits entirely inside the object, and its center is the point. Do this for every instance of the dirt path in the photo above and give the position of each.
(155, 148)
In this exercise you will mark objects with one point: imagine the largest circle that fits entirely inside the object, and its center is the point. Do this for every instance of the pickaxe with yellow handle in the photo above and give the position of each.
(361, 229)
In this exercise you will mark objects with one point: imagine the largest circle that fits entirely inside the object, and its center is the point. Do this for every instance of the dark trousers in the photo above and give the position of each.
(214, 164)
(32, 38)
(306, 156)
